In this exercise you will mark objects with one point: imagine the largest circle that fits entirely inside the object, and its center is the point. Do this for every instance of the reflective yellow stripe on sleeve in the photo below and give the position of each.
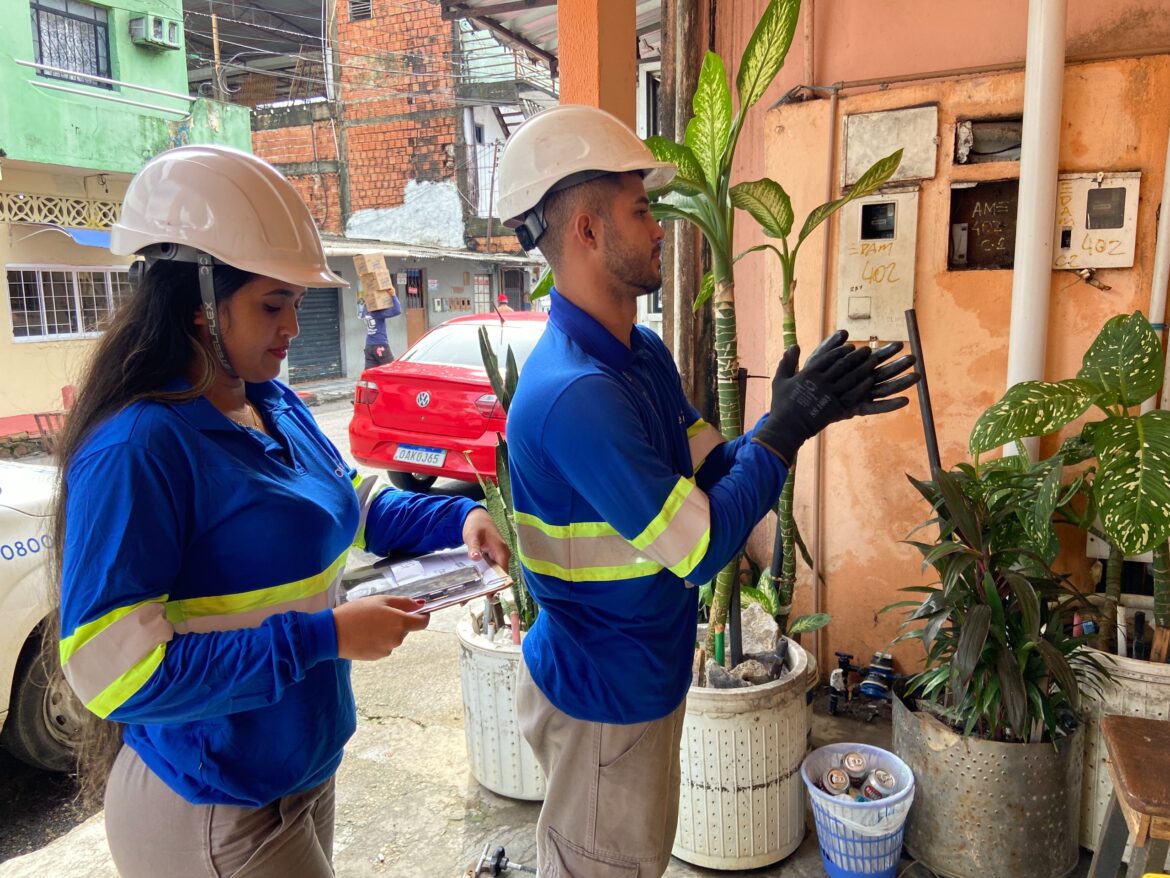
(367, 489)
(679, 535)
(585, 551)
(108, 659)
(702, 439)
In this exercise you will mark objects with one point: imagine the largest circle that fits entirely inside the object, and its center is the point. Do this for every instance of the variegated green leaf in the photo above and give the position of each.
(877, 174)
(754, 595)
(809, 622)
(1039, 518)
(1030, 408)
(706, 290)
(688, 177)
(710, 127)
(543, 286)
(766, 49)
(1132, 488)
(1125, 360)
(768, 203)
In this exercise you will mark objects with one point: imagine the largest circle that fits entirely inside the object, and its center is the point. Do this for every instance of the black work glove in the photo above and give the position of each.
(838, 382)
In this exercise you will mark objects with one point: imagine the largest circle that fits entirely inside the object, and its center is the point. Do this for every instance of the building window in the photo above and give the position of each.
(64, 302)
(482, 293)
(359, 10)
(414, 288)
(73, 36)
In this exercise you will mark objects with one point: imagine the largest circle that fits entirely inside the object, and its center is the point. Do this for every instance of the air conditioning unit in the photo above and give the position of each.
(155, 31)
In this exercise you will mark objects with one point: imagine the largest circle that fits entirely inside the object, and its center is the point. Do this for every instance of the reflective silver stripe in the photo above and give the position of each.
(578, 552)
(252, 618)
(702, 443)
(367, 492)
(113, 651)
(689, 530)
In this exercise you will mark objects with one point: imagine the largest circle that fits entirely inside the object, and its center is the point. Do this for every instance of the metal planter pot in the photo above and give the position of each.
(984, 808)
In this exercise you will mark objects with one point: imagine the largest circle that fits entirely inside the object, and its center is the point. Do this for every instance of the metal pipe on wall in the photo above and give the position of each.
(819, 457)
(1032, 274)
(1161, 278)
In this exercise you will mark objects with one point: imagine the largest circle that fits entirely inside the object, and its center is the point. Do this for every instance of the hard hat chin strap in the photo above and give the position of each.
(169, 252)
(530, 226)
(210, 312)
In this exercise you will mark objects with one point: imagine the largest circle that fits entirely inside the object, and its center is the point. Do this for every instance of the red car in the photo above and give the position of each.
(417, 416)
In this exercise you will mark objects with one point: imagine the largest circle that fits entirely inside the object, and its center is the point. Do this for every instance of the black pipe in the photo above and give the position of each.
(923, 394)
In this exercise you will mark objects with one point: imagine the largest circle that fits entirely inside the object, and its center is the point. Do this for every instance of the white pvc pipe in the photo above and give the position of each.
(1032, 277)
(1161, 279)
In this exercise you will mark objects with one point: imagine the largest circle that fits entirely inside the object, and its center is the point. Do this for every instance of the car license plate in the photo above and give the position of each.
(420, 454)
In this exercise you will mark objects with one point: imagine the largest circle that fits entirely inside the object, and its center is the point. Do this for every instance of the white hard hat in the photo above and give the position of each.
(561, 147)
(229, 204)
(207, 204)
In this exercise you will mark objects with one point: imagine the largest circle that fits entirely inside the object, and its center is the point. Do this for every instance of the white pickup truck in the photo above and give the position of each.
(40, 719)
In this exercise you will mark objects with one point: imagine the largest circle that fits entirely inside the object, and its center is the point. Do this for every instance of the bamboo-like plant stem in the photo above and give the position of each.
(784, 574)
(731, 426)
(1161, 601)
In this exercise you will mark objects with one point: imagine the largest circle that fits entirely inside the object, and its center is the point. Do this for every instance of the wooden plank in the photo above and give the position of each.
(1137, 747)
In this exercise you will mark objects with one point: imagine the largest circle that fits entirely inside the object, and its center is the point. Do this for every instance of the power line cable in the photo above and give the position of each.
(496, 46)
(502, 64)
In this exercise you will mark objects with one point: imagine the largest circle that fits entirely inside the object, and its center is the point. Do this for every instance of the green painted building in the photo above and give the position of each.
(88, 93)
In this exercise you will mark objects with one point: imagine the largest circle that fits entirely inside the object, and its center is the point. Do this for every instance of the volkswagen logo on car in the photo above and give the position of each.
(423, 400)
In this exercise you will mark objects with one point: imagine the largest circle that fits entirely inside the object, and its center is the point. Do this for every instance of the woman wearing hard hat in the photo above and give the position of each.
(203, 524)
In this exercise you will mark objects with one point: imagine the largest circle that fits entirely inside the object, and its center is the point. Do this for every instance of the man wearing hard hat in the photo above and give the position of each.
(623, 494)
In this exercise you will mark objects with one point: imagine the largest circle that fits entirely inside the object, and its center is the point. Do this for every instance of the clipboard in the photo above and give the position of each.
(442, 579)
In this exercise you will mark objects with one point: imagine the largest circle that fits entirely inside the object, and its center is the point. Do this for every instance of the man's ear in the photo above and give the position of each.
(585, 229)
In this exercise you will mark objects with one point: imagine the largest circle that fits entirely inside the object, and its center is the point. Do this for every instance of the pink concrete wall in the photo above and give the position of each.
(1115, 117)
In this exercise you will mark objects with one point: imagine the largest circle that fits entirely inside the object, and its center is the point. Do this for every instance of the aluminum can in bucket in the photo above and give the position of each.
(855, 766)
(878, 785)
(835, 781)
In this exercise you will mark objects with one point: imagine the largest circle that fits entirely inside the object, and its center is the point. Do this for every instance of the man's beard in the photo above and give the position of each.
(629, 265)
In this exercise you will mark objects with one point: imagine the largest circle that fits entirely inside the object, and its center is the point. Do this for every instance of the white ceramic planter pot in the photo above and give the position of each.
(500, 758)
(1137, 689)
(741, 803)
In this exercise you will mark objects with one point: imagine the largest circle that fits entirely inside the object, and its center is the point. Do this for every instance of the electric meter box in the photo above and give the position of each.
(875, 265)
(1096, 220)
(155, 32)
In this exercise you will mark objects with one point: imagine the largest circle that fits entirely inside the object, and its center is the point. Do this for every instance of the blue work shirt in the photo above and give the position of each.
(621, 493)
(201, 564)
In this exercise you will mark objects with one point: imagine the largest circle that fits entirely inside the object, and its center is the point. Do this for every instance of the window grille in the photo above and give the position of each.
(414, 288)
(64, 301)
(71, 35)
(360, 10)
(482, 292)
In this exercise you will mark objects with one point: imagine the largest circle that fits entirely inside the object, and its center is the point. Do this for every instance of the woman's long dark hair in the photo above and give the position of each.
(151, 341)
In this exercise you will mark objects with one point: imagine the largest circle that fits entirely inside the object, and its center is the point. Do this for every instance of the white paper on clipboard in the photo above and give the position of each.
(441, 578)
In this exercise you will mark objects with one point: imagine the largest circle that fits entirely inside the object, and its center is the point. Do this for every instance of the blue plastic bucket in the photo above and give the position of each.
(859, 838)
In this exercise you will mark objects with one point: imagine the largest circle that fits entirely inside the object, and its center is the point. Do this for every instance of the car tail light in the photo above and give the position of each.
(365, 393)
(488, 406)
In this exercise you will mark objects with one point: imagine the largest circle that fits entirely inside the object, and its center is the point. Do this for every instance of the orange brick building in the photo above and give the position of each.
(393, 147)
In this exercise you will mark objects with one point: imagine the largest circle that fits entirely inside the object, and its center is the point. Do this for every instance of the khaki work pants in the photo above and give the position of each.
(153, 831)
(611, 806)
